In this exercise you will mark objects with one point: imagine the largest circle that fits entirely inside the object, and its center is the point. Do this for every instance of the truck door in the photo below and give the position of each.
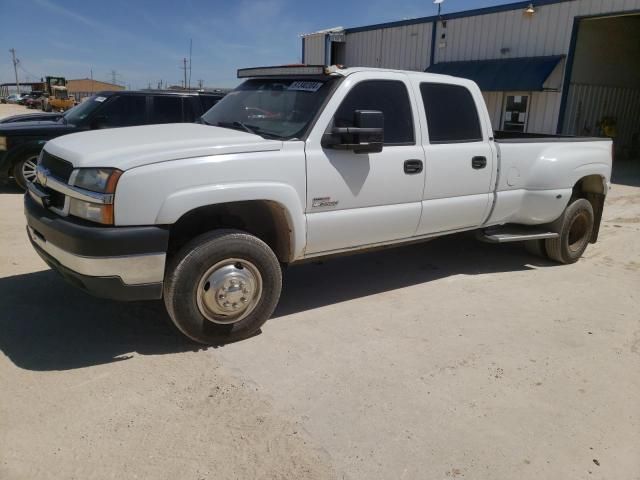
(460, 164)
(356, 199)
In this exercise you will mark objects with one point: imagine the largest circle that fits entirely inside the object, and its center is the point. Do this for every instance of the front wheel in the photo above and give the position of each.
(577, 223)
(222, 286)
(24, 170)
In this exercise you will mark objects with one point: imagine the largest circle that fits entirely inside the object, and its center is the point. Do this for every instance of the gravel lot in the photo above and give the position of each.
(450, 359)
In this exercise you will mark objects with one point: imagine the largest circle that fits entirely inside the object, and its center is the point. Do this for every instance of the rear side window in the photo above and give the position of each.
(124, 111)
(208, 101)
(388, 96)
(452, 116)
(167, 109)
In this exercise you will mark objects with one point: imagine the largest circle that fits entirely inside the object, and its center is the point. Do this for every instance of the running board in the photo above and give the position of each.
(513, 233)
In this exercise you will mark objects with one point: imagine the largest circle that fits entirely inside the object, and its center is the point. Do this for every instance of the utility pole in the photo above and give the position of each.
(190, 50)
(184, 67)
(15, 66)
(91, 73)
(113, 76)
(200, 83)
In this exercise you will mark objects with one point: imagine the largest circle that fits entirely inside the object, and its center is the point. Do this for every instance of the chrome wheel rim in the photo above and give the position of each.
(29, 168)
(229, 291)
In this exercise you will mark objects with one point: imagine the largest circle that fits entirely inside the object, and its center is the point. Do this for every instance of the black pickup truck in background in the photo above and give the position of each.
(22, 140)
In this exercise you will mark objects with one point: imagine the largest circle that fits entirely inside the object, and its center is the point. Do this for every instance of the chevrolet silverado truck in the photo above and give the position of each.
(297, 163)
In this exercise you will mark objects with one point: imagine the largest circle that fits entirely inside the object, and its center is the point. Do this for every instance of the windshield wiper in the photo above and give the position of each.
(237, 125)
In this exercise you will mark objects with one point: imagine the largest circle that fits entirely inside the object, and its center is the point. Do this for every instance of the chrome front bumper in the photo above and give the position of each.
(131, 269)
(122, 263)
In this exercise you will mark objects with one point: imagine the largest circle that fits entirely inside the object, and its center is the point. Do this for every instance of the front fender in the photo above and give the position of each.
(183, 201)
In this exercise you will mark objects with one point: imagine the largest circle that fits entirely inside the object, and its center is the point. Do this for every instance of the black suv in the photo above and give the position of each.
(21, 141)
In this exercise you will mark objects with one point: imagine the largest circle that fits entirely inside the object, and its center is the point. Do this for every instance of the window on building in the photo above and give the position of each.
(388, 96)
(124, 111)
(514, 117)
(167, 109)
(451, 112)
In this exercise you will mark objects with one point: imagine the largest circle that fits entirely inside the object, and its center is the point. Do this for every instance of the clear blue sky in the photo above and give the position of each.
(145, 41)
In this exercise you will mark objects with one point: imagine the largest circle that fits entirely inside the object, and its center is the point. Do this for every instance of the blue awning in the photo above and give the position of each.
(508, 74)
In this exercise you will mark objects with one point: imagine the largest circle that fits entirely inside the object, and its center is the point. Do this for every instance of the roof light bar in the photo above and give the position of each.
(280, 71)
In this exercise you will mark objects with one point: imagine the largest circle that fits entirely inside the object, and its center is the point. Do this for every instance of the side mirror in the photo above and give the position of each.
(366, 135)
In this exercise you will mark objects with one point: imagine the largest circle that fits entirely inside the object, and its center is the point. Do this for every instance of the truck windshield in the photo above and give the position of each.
(272, 108)
(80, 112)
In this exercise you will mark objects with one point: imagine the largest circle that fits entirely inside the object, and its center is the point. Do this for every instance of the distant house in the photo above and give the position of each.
(85, 87)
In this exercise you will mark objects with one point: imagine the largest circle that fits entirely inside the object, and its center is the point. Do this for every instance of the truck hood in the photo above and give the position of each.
(131, 147)
(26, 128)
(30, 117)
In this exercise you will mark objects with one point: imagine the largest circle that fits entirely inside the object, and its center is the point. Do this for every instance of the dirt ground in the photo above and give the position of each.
(444, 360)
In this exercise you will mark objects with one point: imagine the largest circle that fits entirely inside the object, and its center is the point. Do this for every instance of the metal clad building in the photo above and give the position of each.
(581, 60)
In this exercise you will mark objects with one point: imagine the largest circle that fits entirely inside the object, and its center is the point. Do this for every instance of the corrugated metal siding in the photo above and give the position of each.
(314, 49)
(548, 32)
(587, 104)
(494, 102)
(406, 48)
(542, 115)
(543, 112)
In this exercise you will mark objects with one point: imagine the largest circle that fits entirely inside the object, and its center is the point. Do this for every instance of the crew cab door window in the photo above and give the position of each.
(451, 113)
(123, 111)
(460, 161)
(388, 96)
(167, 109)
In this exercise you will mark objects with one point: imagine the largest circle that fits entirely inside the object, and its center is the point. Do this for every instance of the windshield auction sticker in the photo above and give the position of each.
(100, 99)
(302, 86)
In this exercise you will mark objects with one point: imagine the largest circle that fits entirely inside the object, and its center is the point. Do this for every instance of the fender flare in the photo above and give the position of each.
(285, 196)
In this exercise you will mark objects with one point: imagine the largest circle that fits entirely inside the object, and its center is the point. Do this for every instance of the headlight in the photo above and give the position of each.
(3, 143)
(99, 180)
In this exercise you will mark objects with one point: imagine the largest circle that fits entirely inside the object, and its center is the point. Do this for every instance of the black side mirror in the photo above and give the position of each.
(366, 135)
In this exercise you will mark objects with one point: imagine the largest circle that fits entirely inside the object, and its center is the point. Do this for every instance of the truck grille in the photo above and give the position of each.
(59, 168)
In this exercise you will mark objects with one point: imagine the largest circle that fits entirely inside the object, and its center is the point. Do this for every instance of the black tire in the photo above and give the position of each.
(536, 247)
(576, 227)
(184, 290)
(24, 169)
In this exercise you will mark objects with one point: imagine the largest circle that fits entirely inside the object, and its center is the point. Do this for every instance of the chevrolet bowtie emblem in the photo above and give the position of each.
(42, 174)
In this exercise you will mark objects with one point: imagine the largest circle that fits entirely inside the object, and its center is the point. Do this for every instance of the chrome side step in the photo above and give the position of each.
(513, 233)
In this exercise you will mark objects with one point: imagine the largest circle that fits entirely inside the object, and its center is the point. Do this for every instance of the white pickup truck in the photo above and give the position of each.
(298, 163)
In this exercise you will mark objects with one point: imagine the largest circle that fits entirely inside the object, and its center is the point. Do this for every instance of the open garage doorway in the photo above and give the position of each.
(603, 96)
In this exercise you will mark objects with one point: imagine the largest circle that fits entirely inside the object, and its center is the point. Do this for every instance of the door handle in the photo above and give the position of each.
(479, 162)
(411, 167)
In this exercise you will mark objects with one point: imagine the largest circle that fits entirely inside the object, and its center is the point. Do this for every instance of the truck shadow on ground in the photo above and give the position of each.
(46, 324)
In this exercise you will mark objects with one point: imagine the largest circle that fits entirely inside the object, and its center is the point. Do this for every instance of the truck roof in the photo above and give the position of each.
(108, 93)
(311, 71)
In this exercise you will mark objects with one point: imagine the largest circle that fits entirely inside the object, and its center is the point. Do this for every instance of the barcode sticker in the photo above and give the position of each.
(302, 86)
